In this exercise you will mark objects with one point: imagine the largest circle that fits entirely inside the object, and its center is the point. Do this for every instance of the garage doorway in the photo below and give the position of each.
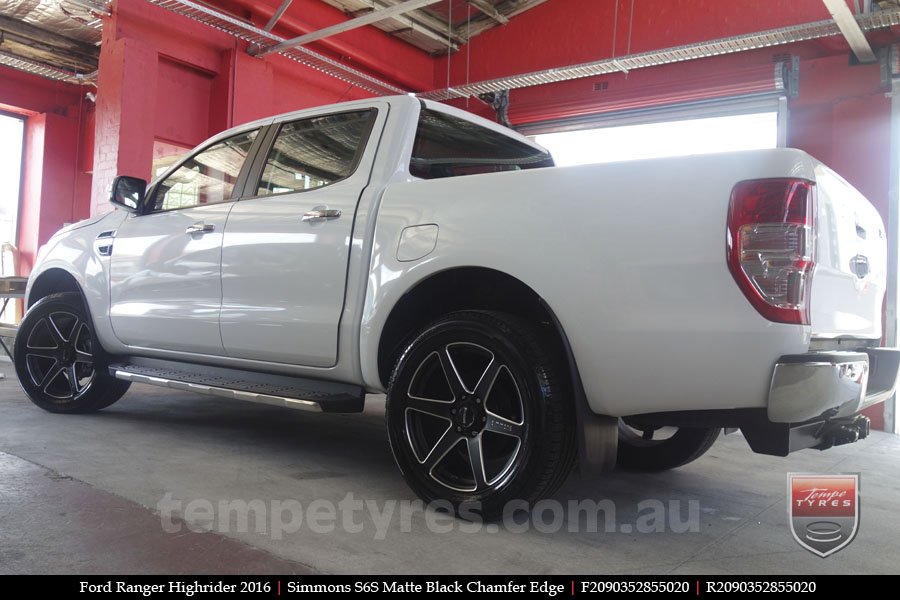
(12, 130)
(683, 137)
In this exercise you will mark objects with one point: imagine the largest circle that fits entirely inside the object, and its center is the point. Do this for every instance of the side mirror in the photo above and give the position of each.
(128, 192)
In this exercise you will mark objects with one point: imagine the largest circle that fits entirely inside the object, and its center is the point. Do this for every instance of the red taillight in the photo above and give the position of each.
(771, 243)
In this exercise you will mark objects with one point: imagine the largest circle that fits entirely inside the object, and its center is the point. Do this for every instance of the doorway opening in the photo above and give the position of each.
(12, 131)
(752, 131)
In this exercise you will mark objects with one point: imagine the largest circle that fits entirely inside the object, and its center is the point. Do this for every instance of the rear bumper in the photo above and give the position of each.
(831, 385)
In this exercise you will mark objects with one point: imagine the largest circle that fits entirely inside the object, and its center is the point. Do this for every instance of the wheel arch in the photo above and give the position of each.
(53, 281)
(480, 288)
(465, 288)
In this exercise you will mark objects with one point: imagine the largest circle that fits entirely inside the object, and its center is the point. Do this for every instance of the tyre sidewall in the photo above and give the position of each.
(685, 446)
(529, 377)
(104, 389)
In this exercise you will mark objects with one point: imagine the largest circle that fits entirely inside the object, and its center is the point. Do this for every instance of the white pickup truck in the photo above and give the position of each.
(517, 314)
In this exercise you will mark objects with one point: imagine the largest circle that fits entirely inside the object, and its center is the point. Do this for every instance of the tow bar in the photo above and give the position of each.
(844, 431)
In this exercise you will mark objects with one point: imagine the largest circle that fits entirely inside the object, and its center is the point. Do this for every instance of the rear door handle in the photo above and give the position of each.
(200, 228)
(321, 213)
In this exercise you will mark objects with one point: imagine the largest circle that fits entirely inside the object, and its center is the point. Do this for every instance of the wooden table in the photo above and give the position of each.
(10, 288)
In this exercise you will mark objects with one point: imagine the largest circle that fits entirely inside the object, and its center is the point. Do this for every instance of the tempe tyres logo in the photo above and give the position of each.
(824, 511)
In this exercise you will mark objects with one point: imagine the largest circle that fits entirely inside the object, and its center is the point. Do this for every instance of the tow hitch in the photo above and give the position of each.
(780, 439)
(844, 431)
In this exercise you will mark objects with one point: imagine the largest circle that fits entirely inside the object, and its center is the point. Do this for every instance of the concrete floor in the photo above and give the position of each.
(81, 494)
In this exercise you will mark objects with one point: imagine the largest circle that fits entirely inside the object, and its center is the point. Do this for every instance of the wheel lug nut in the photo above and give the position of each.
(452, 411)
(474, 433)
(477, 400)
(484, 418)
(459, 429)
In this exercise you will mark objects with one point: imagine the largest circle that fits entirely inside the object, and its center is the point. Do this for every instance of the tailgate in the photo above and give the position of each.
(851, 262)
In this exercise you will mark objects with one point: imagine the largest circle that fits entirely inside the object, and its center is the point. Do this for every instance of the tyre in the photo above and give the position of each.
(59, 362)
(643, 448)
(478, 414)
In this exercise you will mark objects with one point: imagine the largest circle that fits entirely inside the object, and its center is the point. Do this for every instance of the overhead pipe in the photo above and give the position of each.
(375, 16)
(388, 70)
(50, 72)
(845, 21)
(285, 4)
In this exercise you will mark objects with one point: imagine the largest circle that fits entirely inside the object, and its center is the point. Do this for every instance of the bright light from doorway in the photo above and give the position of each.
(657, 140)
(11, 130)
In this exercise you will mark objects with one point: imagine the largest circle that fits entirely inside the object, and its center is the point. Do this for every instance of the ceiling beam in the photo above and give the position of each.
(421, 22)
(432, 26)
(488, 9)
(35, 51)
(851, 30)
(367, 19)
(41, 45)
(285, 4)
(508, 9)
(46, 36)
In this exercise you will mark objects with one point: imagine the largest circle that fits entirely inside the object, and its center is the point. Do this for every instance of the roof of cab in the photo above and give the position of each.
(408, 100)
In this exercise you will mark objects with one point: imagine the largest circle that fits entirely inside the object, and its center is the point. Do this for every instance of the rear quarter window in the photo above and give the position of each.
(447, 146)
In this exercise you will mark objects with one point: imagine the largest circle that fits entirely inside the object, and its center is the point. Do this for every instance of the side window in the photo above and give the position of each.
(315, 152)
(447, 146)
(208, 177)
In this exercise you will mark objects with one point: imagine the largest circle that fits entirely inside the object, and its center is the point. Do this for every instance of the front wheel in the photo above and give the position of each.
(59, 362)
(477, 413)
(646, 448)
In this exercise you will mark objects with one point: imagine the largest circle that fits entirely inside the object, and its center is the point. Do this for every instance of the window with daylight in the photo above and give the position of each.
(657, 140)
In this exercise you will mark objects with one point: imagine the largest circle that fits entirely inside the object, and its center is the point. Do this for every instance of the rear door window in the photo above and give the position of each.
(315, 152)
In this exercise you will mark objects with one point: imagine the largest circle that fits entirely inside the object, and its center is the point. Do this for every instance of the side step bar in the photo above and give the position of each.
(265, 388)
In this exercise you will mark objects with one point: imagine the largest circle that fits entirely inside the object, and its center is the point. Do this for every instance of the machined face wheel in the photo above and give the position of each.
(464, 418)
(60, 364)
(477, 416)
(58, 356)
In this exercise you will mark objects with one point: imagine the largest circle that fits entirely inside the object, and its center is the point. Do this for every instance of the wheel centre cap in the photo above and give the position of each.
(68, 355)
(468, 415)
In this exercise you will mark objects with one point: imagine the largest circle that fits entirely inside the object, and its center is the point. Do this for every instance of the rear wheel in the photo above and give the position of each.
(477, 414)
(59, 362)
(647, 448)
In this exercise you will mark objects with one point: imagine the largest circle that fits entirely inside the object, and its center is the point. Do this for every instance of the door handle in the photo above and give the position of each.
(200, 228)
(321, 213)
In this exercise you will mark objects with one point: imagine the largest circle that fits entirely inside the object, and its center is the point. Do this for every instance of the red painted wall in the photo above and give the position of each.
(56, 181)
(29, 94)
(183, 101)
(566, 32)
(50, 183)
(842, 117)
